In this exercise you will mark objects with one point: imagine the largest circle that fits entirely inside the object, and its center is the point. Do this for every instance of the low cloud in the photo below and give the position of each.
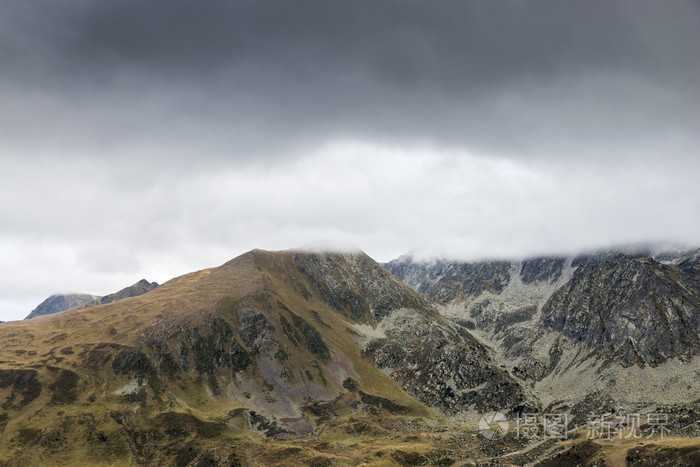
(149, 139)
(386, 200)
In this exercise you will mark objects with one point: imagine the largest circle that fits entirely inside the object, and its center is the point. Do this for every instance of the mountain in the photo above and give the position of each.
(238, 362)
(293, 357)
(62, 302)
(618, 324)
(139, 288)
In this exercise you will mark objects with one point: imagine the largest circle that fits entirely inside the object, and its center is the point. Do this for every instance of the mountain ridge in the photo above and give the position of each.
(273, 343)
(569, 325)
(328, 358)
(61, 302)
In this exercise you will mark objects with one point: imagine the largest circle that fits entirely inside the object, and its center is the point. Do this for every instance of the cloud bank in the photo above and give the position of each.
(147, 139)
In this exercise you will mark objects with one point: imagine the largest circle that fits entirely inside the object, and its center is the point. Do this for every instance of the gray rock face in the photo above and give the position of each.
(443, 366)
(58, 303)
(541, 269)
(691, 262)
(356, 286)
(635, 310)
(444, 281)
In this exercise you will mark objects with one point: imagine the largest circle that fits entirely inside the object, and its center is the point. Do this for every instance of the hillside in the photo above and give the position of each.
(271, 345)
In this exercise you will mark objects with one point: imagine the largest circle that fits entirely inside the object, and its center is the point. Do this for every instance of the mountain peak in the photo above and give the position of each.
(62, 302)
(139, 288)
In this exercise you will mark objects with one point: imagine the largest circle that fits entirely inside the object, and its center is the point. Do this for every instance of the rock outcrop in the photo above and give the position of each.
(632, 310)
(446, 281)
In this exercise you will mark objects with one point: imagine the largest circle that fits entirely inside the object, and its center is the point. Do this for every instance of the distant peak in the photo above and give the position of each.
(146, 283)
(137, 289)
(61, 302)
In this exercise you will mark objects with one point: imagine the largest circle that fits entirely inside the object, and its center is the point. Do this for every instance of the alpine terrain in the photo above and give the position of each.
(321, 358)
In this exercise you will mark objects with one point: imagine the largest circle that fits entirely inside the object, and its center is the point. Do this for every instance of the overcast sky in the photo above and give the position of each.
(149, 139)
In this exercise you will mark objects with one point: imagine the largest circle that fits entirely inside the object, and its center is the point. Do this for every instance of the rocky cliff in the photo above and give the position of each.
(446, 281)
(630, 309)
(572, 326)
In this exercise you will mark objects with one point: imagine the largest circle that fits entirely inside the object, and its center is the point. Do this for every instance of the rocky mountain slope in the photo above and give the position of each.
(139, 288)
(62, 302)
(271, 345)
(622, 323)
(633, 310)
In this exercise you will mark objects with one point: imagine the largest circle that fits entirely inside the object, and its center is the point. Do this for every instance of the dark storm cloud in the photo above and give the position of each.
(152, 138)
(265, 78)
